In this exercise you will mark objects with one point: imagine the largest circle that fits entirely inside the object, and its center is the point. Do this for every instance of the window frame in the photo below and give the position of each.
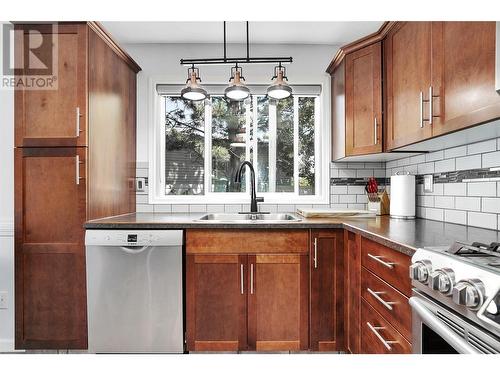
(156, 155)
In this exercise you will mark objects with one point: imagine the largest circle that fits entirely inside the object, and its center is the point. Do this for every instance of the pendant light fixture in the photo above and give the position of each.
(236, 90)
(279, 89)
(193, 90)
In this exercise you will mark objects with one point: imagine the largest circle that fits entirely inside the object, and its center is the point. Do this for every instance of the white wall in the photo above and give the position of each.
(162, 60)
(7, 217)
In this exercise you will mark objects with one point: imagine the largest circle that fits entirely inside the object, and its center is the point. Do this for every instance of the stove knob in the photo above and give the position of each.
(442, 280)
(420, 270)
(469, 293)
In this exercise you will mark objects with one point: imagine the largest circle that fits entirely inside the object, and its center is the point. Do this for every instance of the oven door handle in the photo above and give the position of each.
(457, 342)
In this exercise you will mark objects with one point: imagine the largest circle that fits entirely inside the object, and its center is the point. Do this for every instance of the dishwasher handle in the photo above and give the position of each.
(134, 249)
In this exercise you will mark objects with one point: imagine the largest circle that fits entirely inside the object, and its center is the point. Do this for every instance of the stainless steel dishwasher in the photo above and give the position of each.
(134, 291)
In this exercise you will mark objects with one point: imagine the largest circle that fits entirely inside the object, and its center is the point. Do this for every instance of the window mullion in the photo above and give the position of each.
(255, 160)
(296, 144)
(272, 147)
(208, 148)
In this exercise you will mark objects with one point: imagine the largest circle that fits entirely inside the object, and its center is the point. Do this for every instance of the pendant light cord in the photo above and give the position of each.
(248, 44)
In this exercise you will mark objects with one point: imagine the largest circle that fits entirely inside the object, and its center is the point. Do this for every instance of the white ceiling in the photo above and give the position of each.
(332, 33)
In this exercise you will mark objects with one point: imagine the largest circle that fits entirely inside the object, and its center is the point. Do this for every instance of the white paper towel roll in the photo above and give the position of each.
(403, 196)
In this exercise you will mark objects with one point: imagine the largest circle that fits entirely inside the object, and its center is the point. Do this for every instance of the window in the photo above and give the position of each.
(200, 146)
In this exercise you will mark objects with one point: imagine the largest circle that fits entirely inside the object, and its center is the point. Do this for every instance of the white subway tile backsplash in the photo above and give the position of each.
(455, 216)
(338, 206)
(482, 220)
(362, 199)
(286, 208)
(268, 208)
(425, 200)
(418, 159)
(347, 199)
(482, 147)
(491, 159)
(347, 173)
(180, 208)
(162, 208)
(338, 189)
(141, 198)
(215, 208)
(197, 208)
(234, 208)
(379, 173)
(392, 163)
(354, 189)
(490, 205)
(455, 188)
(411, 169)
(468, 162)
(356, 206)
(444, 202)
(141, 172)
(364, 173)
(433, 156)
(447, 165)
(455, 152)
(434, 214)
(426, 168)
(144, 208)
(468, 203)
(482, 189)
(377, 165)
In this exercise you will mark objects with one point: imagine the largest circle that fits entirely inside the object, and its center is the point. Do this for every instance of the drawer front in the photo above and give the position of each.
(387, 301)
(378, 336)
(390, 265)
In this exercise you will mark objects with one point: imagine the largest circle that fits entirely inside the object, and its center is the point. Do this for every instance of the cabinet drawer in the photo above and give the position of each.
(379, 337)
(388, 302)
(390, 265)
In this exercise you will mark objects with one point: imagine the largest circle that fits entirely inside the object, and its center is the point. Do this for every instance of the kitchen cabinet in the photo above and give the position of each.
(327, 294)
(242, 295)
(217, 302)
(68, 169)
(55, 117)
(352, 294)
(50, 255)
(407, 49)
(278, 295)
(440, 77)
(363, 101)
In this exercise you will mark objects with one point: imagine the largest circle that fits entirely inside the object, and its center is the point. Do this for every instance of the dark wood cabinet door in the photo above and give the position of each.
(352, 299)
(326, 264)
(49, 248)
(278, 297)
(216, 302)
(407, 51)
(56, 116)
(363, 93)
(463, 70)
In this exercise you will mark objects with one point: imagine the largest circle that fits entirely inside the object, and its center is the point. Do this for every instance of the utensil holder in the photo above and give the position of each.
(379, 203)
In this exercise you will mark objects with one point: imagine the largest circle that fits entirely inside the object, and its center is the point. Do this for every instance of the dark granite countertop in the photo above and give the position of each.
(402, 235)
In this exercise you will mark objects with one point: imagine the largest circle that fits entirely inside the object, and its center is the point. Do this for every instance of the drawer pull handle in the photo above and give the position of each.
(375, 295)
(316, 253)
(385, 342)
(241, 279)
(78, 115)
(251, 278)
(378, 259)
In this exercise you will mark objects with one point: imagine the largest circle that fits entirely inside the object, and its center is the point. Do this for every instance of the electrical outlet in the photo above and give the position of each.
(3, 300)
(428, 183)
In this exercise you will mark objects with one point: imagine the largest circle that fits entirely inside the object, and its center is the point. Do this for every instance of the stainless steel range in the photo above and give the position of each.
(456, 299)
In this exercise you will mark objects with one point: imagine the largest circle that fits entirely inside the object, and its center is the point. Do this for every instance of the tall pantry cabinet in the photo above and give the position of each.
(74, 161)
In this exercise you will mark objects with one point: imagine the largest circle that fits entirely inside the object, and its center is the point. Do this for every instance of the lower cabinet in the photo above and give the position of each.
(268, 293)
(352, 300)
(326, 311)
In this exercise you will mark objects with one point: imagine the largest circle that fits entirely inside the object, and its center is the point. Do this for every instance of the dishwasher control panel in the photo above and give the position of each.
(107, 237)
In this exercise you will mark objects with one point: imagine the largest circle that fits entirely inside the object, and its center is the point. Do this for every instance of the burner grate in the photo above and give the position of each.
(476, 249)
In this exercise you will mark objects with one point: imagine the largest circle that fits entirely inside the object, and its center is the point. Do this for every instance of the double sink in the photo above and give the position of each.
(249, 218)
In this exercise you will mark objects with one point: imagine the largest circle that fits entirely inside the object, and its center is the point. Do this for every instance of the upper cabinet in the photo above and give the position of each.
(437, 78)
(363, 101)
(407, 81)
(440, 77)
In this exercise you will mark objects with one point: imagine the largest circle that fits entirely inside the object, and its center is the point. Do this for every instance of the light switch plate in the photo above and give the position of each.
(140, 184)
(428, 183)
(3, 300)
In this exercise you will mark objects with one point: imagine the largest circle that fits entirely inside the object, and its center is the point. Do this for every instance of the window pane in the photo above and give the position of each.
(184, 141)
(228, 143)
(262, 144)
(284, 145)
(306, 146)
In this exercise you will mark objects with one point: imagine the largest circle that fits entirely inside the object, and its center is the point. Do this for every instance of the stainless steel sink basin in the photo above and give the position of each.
(248, 218)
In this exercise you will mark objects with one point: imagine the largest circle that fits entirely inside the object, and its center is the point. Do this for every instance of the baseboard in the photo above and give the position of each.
(6, 229)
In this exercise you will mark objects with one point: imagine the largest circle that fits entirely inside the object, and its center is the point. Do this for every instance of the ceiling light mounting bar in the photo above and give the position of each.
(239, 60)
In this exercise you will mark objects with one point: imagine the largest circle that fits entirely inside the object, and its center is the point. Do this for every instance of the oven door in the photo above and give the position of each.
(439, 330)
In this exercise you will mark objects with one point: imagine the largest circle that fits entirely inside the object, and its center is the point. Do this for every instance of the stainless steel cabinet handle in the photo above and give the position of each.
(385, 342)
(315, 253)
(430, 105)
(375, 131)
(241, 279)
(251, 278)
(377, 259)
(78, 115)
(77, 169)
(386, 304)
(421, 109)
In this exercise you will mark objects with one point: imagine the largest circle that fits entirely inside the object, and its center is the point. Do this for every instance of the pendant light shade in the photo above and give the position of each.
(236, 91)
(279, 89)
(193, 90)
